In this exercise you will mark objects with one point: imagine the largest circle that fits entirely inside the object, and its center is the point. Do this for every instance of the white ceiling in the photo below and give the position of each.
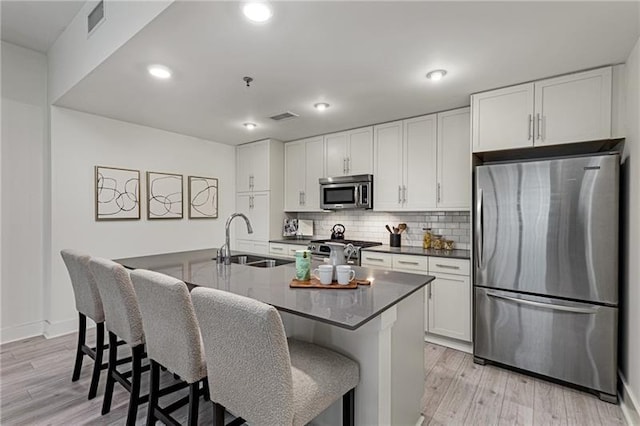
(367, 59)
(36, 24)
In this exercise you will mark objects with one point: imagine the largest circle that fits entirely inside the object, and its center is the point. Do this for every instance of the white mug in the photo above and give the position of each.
(345, 274)
(324, 273)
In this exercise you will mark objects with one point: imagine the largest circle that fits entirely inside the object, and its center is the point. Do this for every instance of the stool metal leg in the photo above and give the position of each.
(348, 408)
(194, 398)
(136, 368)
(113, 357)
(218, 414)
(154, 387)
(97, 363)
(82, 335)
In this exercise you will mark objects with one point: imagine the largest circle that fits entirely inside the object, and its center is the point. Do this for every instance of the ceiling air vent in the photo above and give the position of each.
(96, 17)
(284, 116)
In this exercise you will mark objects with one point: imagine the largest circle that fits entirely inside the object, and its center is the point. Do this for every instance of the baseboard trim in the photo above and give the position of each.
(628, 403)
(19, 332)
(60, 328)
(450, 343)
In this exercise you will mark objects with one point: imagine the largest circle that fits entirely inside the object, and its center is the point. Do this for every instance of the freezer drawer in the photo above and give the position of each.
(574, 342)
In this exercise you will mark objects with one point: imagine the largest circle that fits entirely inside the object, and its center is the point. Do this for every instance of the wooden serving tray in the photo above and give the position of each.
(315, 283)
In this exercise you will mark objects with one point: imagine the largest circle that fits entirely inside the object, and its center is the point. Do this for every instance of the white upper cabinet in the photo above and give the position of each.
(419, 190)
(314, 156)
(423, 163)
(349, 153)
(503, 118)
(360, 154)
(405, 164)
(304, 166)
(294, 175)
(252, 167)
(567, 109)
(388, 166)
(573, 108)
(454, 167)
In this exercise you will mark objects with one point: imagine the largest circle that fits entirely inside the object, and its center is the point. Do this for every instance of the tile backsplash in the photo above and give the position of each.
(369, 226)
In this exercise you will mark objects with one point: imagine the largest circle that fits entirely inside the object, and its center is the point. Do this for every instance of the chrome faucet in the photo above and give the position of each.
(225, 256)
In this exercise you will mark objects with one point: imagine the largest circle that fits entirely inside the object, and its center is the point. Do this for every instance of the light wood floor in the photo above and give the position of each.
(36, 389)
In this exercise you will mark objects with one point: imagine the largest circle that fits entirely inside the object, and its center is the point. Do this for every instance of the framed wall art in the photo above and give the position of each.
(117, 193)
(164, 194)
(203, 197)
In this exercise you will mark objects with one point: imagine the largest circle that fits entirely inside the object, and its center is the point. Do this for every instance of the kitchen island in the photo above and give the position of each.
(381, 326)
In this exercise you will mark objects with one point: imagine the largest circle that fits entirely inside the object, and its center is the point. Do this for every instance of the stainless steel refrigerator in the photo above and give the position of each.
(546, 268)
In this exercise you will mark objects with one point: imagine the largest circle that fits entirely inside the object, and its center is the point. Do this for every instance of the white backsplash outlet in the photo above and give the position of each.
(369, 226)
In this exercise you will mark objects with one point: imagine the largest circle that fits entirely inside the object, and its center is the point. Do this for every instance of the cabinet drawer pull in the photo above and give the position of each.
(374, 258)
(439, 265)
(277, 248)
(405, 262)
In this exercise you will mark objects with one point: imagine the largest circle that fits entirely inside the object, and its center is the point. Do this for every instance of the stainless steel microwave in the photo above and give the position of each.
(346, 192)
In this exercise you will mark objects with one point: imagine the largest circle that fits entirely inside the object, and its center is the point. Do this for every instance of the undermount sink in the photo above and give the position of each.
(258, 261)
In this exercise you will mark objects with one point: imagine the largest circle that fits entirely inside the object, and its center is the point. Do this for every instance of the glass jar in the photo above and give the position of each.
(426, 240)
(448, 244)
(436, 242)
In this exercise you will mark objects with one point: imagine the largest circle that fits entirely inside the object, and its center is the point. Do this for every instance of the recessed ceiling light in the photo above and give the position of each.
(436, 75)
(250, 126)
(321, 106)
(257, 12)
(159, 71)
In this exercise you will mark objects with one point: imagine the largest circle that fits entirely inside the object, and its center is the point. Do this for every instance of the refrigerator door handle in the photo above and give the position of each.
(544, 305)
(479, 226)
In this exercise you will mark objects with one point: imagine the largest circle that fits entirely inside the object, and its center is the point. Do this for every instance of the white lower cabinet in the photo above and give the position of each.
(285, 250)
(248, 246)
(447, 298)
(448, 303)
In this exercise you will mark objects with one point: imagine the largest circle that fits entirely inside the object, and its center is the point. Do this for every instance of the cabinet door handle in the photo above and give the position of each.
(429, 289)
(348, 164)
(439, 265)
(539, 119)
(530, 127)
(404, 194)
(344, 166)
(399, 194)
(304, 198)
(438, 192)
(300, 198)
(377, 259)
(405, 262)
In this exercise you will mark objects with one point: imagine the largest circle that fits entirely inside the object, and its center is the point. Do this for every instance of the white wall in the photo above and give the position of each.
(74, 55)
(630, 234)
(24, 133)
(81, 141)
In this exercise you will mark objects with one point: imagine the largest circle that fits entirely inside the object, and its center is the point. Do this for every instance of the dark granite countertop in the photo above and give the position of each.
(419, 251)
(348, 309)
(296, 241)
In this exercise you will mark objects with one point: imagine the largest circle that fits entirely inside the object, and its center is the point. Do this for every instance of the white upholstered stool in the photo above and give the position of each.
(88, 304)
(256, 374)
(172, 339)
(123, 320)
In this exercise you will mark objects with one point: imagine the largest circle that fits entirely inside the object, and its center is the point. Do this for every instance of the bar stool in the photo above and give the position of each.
(255, 374)
(172, 340)
(88, 304)
(122, 318)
